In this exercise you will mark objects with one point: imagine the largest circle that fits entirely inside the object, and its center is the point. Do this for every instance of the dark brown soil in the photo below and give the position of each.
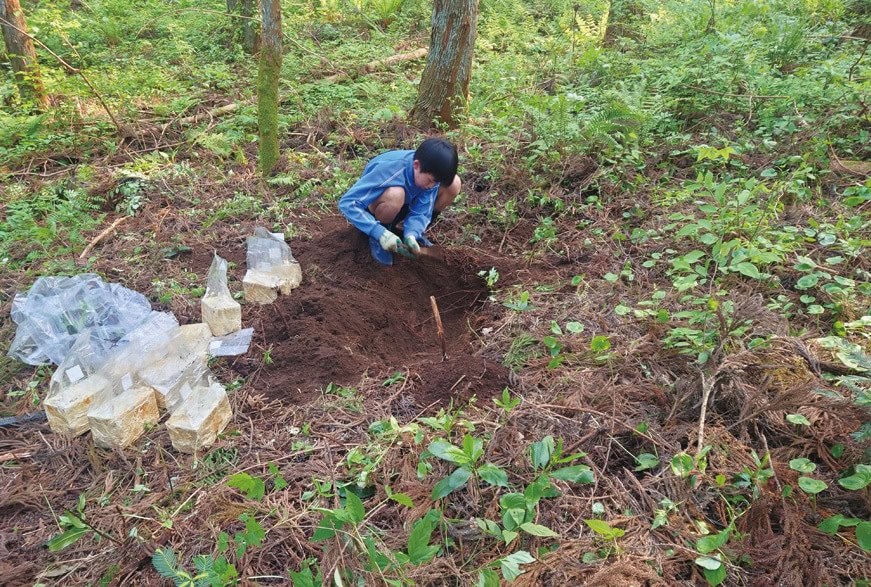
(353, 319)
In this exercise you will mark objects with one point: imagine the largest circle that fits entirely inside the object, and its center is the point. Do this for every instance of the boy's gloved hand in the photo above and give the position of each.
(412, 245)
(390, 242)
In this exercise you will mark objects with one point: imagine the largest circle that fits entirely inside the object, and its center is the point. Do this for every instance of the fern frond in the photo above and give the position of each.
(165, 563)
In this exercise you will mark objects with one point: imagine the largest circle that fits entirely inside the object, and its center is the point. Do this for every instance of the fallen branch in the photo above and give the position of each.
(84, 256)
(14, 456)
(378, 64)
(214, 112)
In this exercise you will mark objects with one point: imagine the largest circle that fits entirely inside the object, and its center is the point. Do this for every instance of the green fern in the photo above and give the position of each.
(613, 120)
(165, 562)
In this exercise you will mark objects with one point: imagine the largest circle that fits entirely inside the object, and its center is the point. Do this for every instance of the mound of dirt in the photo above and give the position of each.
(352, 318)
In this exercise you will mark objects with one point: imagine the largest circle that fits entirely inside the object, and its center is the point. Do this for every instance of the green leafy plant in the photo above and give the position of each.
(209, 571)
(467, 460)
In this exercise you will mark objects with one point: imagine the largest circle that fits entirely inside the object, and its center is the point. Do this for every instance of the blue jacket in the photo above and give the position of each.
(393, 168)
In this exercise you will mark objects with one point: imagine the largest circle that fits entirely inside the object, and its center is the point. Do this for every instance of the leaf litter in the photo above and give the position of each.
(357, 326)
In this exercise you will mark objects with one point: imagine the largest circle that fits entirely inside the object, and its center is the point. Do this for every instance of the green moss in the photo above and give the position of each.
(267, 107)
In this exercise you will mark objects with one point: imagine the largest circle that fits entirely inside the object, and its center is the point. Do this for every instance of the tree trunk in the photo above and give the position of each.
(267, 84)
(22, 54)
(444, 85)
(621, 15)
(250, 34)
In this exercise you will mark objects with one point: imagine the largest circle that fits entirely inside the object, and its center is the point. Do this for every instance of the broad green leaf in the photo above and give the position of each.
(355, 508)
(574, 474)
(811, 486)
(493, 475)
(856, 481)
(716, 576)
(253, 487)
(486, 578)
(604, 529)
(69, 537)
(513, 501)
(611, 277)
(419, 549)
(304, 578)
(797, 419)
(541, 452)
(575, 327)
(327, 528)
(70, 519)
(599, 527)
(451, 483)
(711, 543)
(807, 281)
(863, 536)
(709, 562)
(402, 499)
(748, 269)
(682, 464)
(646, 461)
(473, 448)
(448, 452)
(805, 264)
(537, 530)
(830, 525)
(510, 565)
(600, 343)
(802, 465)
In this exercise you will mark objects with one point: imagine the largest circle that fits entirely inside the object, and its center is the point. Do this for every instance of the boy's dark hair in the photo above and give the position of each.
(438, 157)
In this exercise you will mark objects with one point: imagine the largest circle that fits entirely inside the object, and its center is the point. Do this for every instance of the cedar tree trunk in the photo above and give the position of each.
(444, 86)
(267, 84)
(21, 53)
(250, 33)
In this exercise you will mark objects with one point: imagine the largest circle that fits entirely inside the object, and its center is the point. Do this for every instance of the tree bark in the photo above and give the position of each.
(267, 84)
(444, 85)
(621, 15)
(22, 54)
(250, 34)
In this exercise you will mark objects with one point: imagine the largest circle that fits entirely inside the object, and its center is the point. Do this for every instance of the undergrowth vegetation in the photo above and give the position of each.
(676, 219)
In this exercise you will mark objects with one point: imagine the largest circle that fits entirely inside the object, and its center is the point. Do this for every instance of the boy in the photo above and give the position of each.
(402, 186)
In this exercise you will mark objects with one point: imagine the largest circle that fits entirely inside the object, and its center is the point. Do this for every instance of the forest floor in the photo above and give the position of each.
(356, 345)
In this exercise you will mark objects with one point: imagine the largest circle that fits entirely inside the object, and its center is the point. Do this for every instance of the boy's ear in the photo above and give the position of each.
(416, 165)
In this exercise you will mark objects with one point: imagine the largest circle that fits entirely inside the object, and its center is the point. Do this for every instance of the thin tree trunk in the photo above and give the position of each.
(621, 14)
(22, 53)
(250, 34)
(267, 84)
(444, 85)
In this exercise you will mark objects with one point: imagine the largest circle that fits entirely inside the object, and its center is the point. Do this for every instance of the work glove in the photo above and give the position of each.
(412, 245)
(390, 242)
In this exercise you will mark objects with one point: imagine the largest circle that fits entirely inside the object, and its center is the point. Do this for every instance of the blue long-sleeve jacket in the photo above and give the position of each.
(393, 168)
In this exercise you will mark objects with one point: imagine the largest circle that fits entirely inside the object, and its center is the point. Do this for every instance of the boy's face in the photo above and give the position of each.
(424, 181)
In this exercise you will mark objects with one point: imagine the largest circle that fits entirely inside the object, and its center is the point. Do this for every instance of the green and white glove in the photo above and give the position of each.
(412, 245)
(390, 242)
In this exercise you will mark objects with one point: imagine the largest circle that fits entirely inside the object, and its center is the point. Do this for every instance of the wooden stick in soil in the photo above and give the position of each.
(84, 256)
(439, 326)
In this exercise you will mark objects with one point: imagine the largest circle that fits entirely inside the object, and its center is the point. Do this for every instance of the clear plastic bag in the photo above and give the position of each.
(216, 283)
(231, 345)
(219, 310)
(267, 250)
(55, 310)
